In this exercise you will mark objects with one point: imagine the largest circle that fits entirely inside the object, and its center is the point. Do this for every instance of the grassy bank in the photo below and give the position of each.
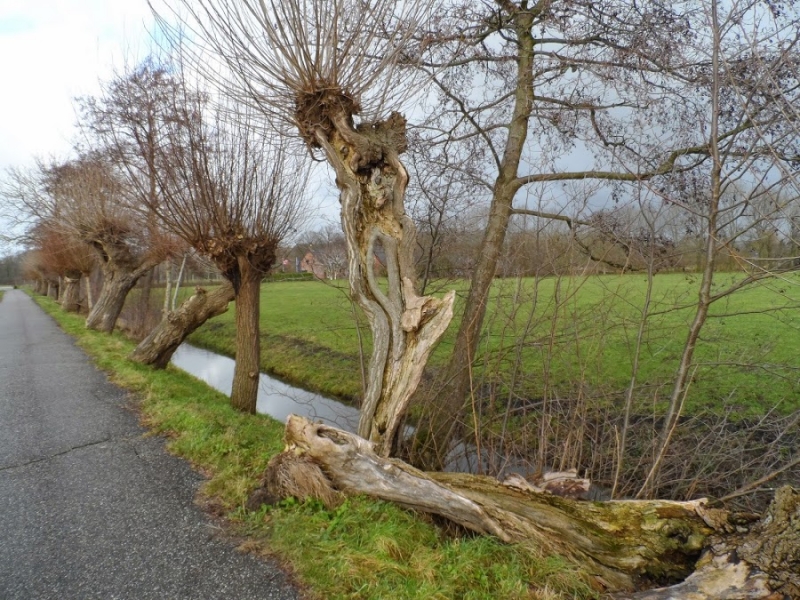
(364, 549)
(561, 334)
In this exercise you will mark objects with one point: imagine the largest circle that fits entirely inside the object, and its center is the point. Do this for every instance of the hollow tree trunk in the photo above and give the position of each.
(244, 392)
(618, 542)
(71, 297)
(159, 346)
(405, 327)
(763, 563)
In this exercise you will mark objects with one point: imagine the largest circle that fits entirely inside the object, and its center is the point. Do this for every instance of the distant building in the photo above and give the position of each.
(309, 264)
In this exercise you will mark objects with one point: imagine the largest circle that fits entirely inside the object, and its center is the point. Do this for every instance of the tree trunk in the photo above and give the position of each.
(444, 404)
(52, 289)
(620, 543)
(405, 327)
(117, 283)
(89, 300)
(244, 392)
(159, 346)
(71, 298)
(763, 563)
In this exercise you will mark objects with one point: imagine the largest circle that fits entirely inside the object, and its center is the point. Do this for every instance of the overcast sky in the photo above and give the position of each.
(52, 51)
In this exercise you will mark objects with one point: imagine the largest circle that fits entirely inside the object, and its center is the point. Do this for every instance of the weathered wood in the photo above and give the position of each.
(619, 542)
(757, 563)
(160, 344)
(372, 181)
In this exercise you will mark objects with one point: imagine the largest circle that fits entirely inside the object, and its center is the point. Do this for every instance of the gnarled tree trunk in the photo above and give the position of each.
(620, 543)
(121, 268)
(405, 327)
(117, 283)
(159, 346)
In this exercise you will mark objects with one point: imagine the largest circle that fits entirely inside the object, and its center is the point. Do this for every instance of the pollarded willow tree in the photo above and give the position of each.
(328, 69)
(233, 192)
(93, 202)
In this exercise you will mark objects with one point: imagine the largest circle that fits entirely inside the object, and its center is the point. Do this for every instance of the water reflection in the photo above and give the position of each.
(275, 398)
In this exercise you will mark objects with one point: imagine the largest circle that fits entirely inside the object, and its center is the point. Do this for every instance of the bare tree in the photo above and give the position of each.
(318, 66)
(85, 199)
(233, 194)
(752, 135)
(126, 122)
(93, 202)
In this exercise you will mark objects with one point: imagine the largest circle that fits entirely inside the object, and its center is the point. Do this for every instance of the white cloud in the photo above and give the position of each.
(52, 51)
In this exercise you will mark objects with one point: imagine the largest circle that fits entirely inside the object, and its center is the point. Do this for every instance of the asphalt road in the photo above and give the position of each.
(89, 506)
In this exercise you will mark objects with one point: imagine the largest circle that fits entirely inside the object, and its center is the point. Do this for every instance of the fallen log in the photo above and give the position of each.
(623, 545)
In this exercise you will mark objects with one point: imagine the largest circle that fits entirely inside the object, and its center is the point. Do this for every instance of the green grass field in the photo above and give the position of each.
(559, 333)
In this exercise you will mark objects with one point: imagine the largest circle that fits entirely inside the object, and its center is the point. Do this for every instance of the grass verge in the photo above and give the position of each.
(365, 549)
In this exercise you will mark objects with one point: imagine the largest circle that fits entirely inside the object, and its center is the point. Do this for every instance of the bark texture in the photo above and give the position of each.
(244, 392)
(761, 563)
(71, 297)
(117, 283)
(621, 543)
(159, 346)
(122, 268)
(405, 326)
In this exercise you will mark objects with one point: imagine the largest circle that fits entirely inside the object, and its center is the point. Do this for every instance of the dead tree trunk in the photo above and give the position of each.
(621, 543)
(159, 346)
(763, 563)
(405, 327)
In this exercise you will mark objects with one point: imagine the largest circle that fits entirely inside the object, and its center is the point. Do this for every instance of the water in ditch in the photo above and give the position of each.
(275, 398)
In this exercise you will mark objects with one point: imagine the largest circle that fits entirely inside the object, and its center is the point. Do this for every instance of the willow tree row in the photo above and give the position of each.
(160, 171)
